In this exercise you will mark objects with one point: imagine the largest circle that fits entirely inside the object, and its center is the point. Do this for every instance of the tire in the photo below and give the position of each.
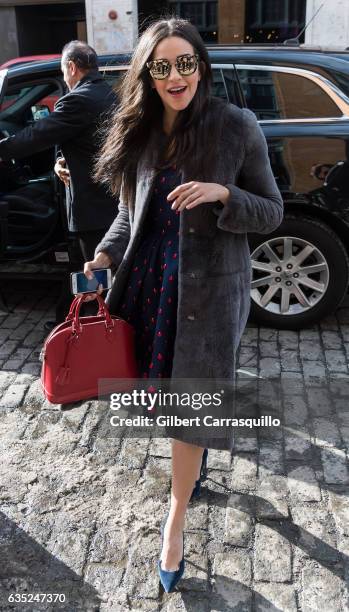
(313, 294)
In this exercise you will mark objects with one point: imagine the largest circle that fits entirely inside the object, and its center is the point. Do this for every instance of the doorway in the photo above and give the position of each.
(48, 27)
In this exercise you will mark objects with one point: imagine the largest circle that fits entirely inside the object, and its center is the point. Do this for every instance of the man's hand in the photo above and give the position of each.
(194, 193)
(61, 170)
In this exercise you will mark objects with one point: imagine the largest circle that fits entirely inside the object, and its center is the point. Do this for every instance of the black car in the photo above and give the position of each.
(301, 98)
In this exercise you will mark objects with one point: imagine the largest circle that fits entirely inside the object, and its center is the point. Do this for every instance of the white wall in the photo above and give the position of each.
(331, 26)
(112, 36)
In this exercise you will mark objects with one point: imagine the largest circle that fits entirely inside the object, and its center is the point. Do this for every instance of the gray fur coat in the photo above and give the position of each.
(214, 260)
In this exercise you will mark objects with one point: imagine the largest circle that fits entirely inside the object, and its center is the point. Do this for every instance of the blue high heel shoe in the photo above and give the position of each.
(170, 579)
(203, 475)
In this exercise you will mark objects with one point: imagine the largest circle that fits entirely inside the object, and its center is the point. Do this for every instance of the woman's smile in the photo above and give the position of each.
(177, 91)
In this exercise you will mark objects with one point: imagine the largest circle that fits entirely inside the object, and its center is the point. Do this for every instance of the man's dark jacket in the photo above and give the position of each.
(73, 125)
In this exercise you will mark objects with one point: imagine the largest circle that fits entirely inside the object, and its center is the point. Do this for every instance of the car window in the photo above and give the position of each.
(11, 97)
(21, 99)
(113, 77)
(218, 85)
(231, 85)
(282, 95)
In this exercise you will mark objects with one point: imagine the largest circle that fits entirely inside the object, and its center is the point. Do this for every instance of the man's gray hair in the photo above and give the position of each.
(79, 52)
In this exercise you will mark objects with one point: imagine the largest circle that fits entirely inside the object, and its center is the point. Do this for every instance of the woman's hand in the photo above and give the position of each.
(194, 193)
(102, 260)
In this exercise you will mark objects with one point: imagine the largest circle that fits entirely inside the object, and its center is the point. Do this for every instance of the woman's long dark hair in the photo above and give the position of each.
(140, 110)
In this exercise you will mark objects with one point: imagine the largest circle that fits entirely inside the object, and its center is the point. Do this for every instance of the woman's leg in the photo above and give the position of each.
(186, 462)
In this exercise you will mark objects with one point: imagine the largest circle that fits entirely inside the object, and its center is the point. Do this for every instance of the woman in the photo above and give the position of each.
(194, 176)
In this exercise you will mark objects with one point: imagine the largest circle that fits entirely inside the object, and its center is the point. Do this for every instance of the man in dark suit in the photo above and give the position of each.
(73, 126)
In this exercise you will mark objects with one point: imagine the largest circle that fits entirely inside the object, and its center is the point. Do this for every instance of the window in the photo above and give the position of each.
(13, 96)
(218, 86)
(225, 85)
(211, 14)
(265, 13)
(283, 95)
(20, 99)
(194, 11)
(274, 20)
(296, 12)
(274, 11)
(113, 77)
(202, 14)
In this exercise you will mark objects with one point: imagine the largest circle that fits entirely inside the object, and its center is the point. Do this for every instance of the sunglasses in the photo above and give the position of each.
(185, 65)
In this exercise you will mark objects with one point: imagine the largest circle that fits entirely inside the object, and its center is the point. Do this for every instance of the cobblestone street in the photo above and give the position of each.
(80, 514)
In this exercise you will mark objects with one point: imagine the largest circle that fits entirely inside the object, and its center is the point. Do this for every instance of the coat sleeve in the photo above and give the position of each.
(69, 117)
(256, 204)
(116, 239)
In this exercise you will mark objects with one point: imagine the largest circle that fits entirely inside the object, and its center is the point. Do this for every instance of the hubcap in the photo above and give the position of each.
(290, 275)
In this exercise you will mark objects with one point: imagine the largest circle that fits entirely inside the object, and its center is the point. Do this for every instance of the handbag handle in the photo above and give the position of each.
(73, 305)
(102, 311)
(72, 308)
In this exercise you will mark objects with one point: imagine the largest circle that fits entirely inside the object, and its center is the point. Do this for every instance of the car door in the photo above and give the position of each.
(301, 273)
(27, 185)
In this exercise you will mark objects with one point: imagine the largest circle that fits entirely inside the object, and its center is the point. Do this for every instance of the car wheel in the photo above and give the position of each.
(300, 274)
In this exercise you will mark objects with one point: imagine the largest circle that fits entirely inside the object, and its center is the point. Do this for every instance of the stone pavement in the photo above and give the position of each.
(80, 513)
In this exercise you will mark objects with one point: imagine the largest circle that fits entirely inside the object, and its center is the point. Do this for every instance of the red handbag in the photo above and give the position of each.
(83, 350)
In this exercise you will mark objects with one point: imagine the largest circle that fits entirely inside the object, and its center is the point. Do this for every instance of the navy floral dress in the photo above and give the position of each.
(150, 300)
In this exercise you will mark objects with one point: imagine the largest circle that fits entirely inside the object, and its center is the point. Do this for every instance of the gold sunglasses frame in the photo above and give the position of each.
(162, 78)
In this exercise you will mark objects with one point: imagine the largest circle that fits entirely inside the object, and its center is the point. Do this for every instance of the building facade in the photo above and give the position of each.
(222, 21)
(29, 27)
(34, 27)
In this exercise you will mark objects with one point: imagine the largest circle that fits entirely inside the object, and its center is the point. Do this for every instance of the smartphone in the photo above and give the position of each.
(80, 284)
